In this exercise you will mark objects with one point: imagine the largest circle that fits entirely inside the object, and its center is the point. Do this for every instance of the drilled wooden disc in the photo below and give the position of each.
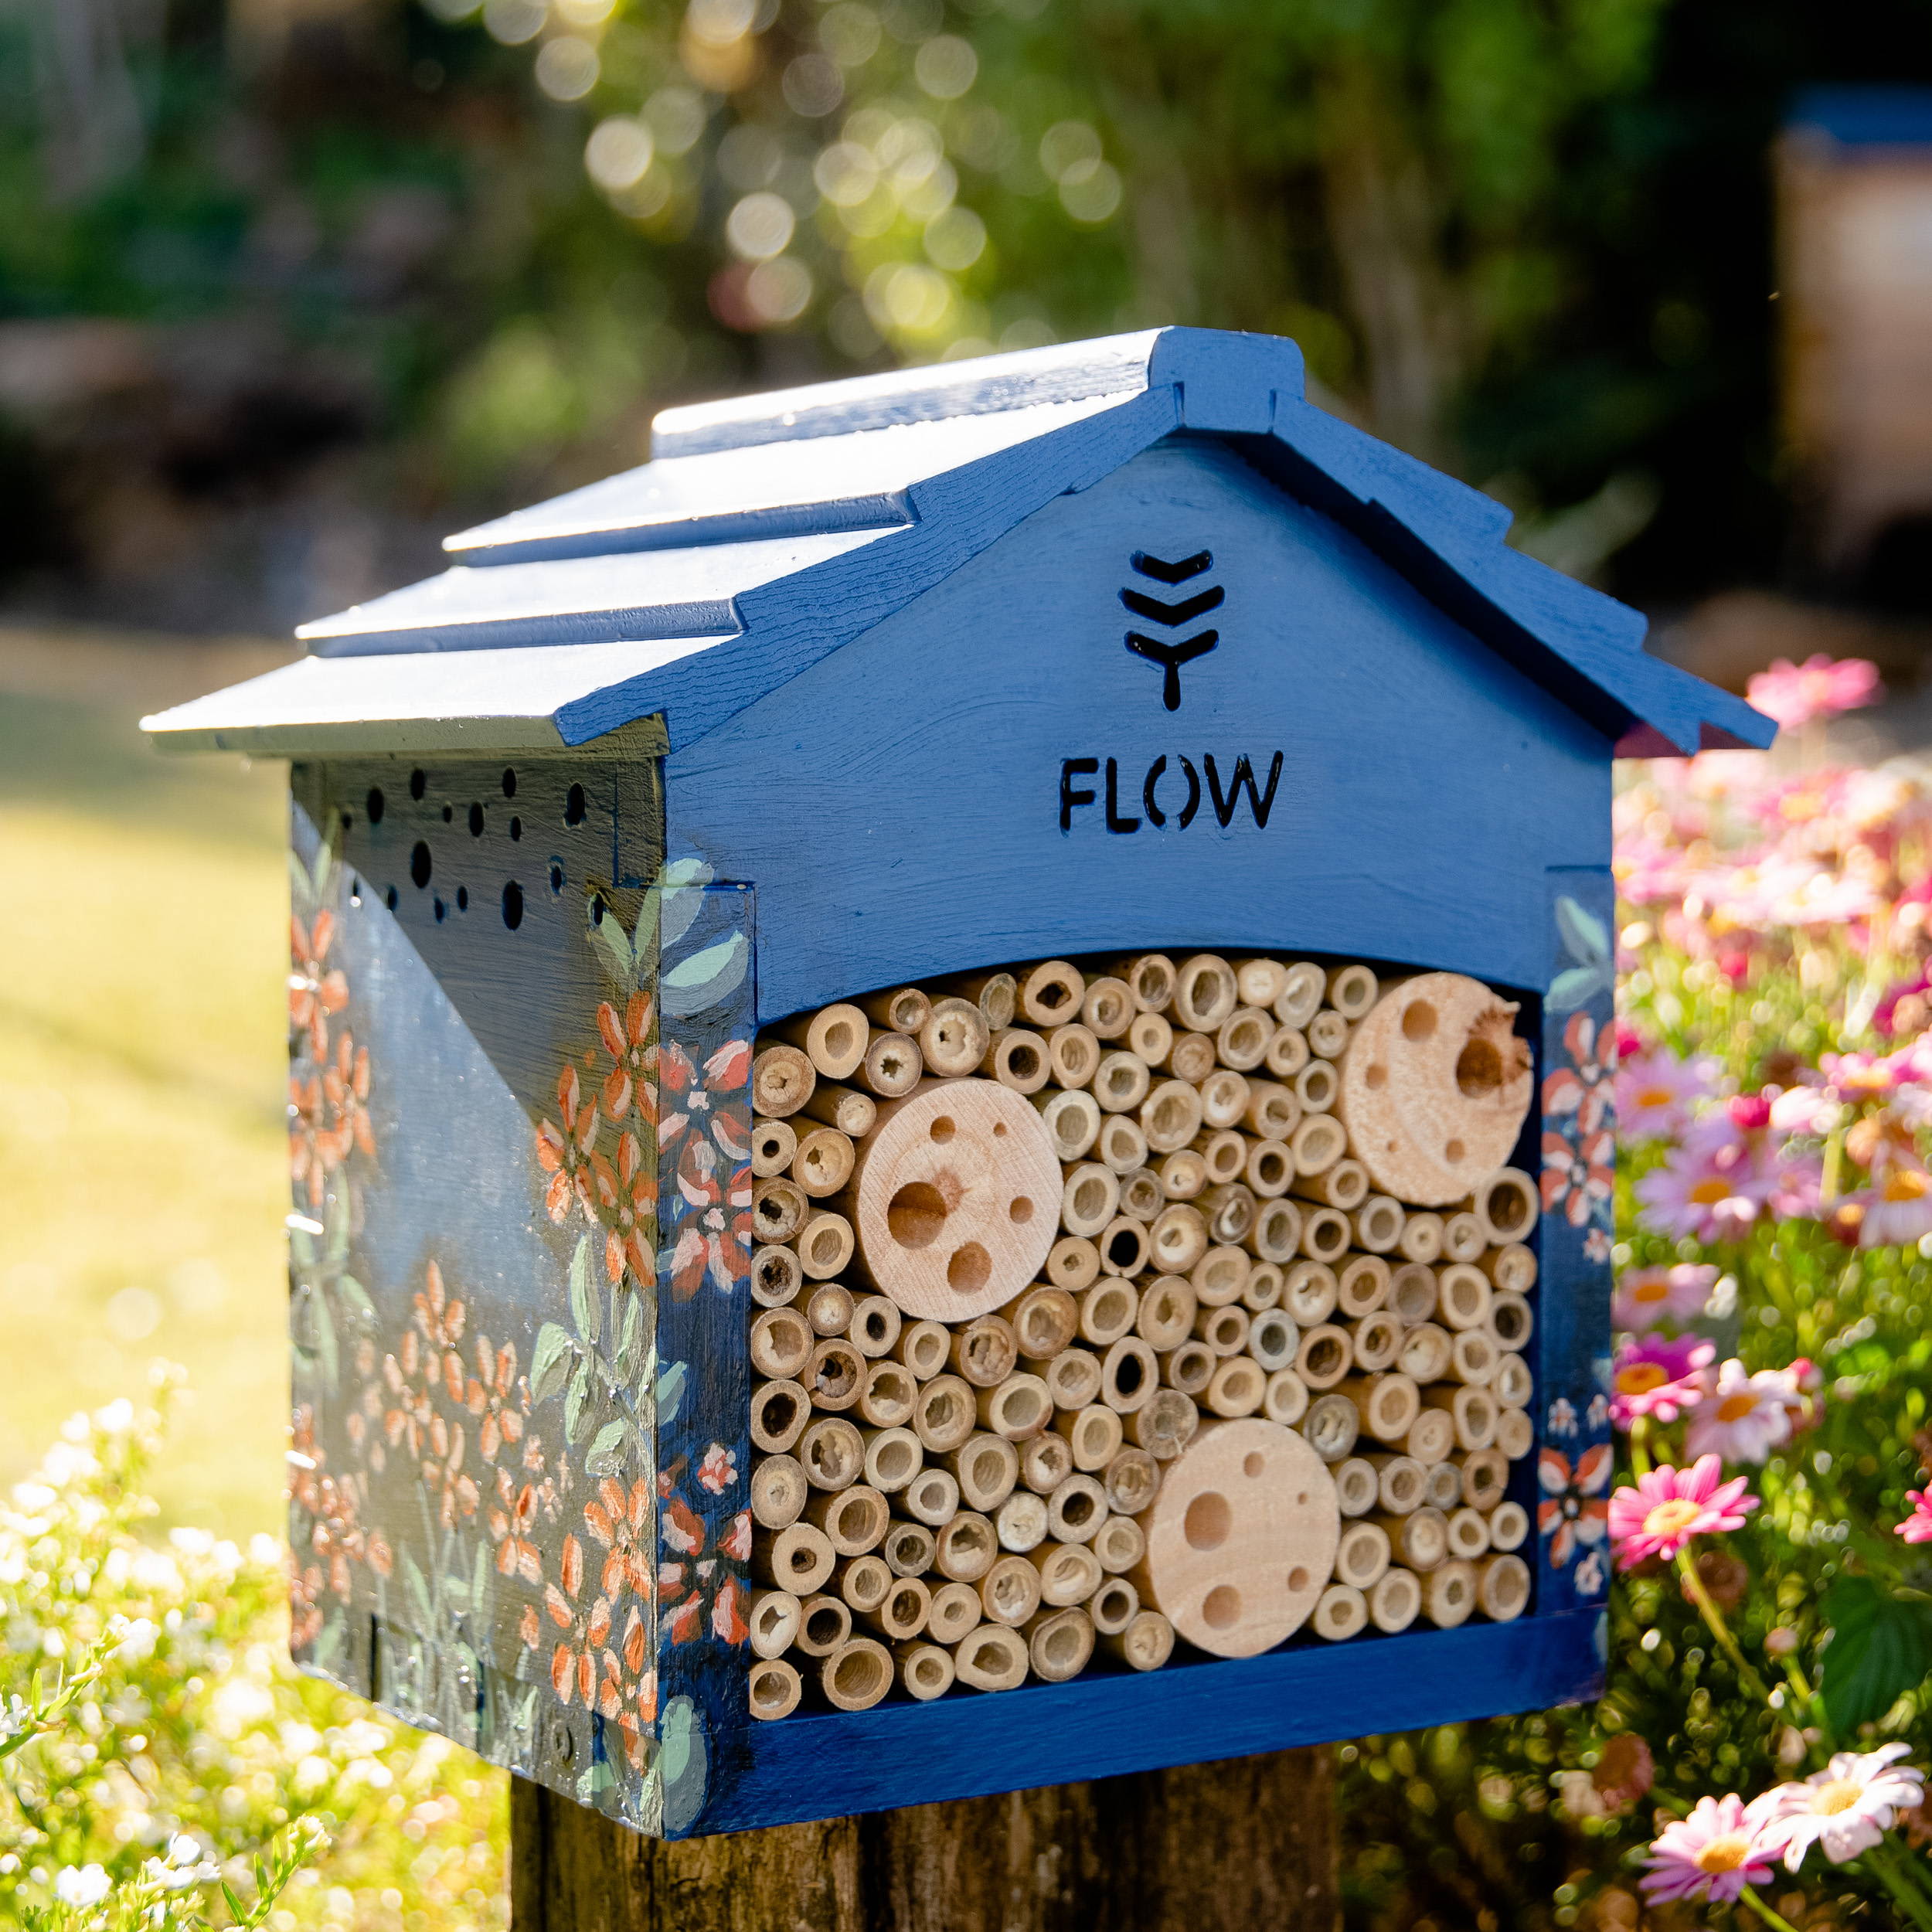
(1435, 1087)
(958, 1198)
(1241, 1540)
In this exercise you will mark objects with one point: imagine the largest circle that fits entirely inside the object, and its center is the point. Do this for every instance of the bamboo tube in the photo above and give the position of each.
(1512, 1383)
(1432, 1437)
(996, 995)
(782, 1342)
(1046, 1461)
(893, 1458)
(1072, 1121)
(1018, 1407)
(1167, 1311)
(1395, 1600)
(1017, 1057)
(797, 1558)
(1259, 982)
(1224, 1329)
(991, 1658)
(773, 1145)
(1421, 1237)
(1191, 1057)
(1316, 1086)
(922, 1347)
(893, 1066)
(833, 1453)
(1225, 1154)
(874, 1328)
(1276, 1235)
(1481, 1476)
(1462, 1238)
(1287, 1399)
(1204, 992)
(1142, 1199)
(1511, 1269)
(908, 1548)
(1150, 1036)
(825, 1244)
(854, 1519)
(779, 1491)
(1328, 1034)
(1378, 1340)
(1069, 1573)
(1325, 1234)
(1304, 988)
(1113, 1605)
(1150, 978)
(1449, 1594)
(1131, 1481)
(1502, 1588)
(1356, 1491)
(828, 1308)
(902, 1010)
(1388, 1404)
(1420, 1539)
(1129, 1373)
(1468, 1535)
(1506, 1204)
(1243, 1038)
(1230, 1214)
(1122, 1145)
(1164, 1427)
(1343, 1184)
(780, 1411)
(1362, 1286)
(1471, 1409)
(1224, 1099)
(1051, 994)
(782, 1078)
(1124, 1248)
(1170, 1116)
(1424, 1354)
(1508, 1527)
(955, 1610)
(903, 1613)
(1341, 1612)
(1474, 1358)
(1352, 991)
(1076, 1508)
(1317, 1144)
(1238, 1388)
(1361, 1554)
(1073, 1377)
(1010, 1592)
(1270, 1169)
(945, 1413)
(776, 1615)
(1188, 1367)
(1515, 1433)
(1463, 1296)
(1377, 1224)
(1178, 1239)
(954, 1040)
(1074, 1053)
(1444, 1486)
(1108, 1008)
(1094, 1433)
(776, 1277)
(778, 1207)
(1310, 1293)
(1326, 1355)
(1331, 1427)
(1146, 1643)
(1060, 1646)
(1219, 1276)
(987, 1468)
(1413, 1293)
(834, 1038)
(1072, 1263)
(1120, 1543)
(966, 1548)
(984, 1351)
(772, 1688)
(1044, 1320)
(925, 1670)
(1263, 1291)
(853, 1113)
(1511, 1321)
(932, 1497)
(835, 1374)
(856, 1676)
(1108, 1310)
(1288, 1054)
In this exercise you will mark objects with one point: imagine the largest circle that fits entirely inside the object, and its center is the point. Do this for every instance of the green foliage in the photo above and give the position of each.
(1881, 1648)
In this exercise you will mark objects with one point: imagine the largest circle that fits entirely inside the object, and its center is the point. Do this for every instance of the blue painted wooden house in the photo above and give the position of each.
(842, 691)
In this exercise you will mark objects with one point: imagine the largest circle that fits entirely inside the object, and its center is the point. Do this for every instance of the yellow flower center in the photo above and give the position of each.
(1654, 1096)
(1736, 1408)
(1668, 1518)
(1724, 1853)
(1650, 1291)
(1840, 1795)
(1906, 1184)
(1640, 1378)
(1708, 1193)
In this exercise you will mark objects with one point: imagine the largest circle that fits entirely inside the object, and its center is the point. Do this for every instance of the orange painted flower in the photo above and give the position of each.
(494, 1397)
(564, 1152)
(315, 990)
(626, 1202)
(346, 1086)
(444, 1475)
(627, 1039)
(622, 1525)
(517, 1554)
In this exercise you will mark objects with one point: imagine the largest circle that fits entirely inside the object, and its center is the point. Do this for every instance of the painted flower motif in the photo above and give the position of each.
(1563, 1416)
(1917, 1527)
(1647, 1297)
(628, 1040)
(316, 1146)
(704, 1570)
(1656, 1091)
(1659, 1378)
(719, 1469)
(716, 1243)
(495, 1397)
(1577, 1175)
(1712, 1854)
(1585, 1089)
(1847, 1807)
(346, 1087)
(452, 1487)
(512, 1520)
(716, 1100)
(406, 1409)
(316, 990)
(1669, 1506)
(1596, 1246)
(564, 1152)
(625, 1202)
(597, 1662)
(621, 1526)
(1591, 1575)
(1743, 1418)
(1572, 1510)
(306, 1585)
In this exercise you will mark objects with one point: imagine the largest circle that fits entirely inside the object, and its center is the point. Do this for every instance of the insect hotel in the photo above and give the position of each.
(949, 1096)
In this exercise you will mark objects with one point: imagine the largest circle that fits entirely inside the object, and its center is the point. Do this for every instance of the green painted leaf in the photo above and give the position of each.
(682, 1764)
(706, 976)
(335, 1219)
(301, 1247)
(481, 1577)
(352, 1291)
(1881, 1647)
(587, 1308)
(456, 1591)
(325, 1346)
(604, 1456)
(1585, 936)
(672, 904)
(324, 864)
(1577, 985)
(606, 935)
(670, 1391)
(575, 1419)
(551, 1362)
(631, 1346)
(419, 1593)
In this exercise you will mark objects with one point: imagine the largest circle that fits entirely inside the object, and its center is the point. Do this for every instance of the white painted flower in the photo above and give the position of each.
(1590, 1575)
(1847, 1807)
(1743, 1419)
(82, 1885)
(1563, 1416)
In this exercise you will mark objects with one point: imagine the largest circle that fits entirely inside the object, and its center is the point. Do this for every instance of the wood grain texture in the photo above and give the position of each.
(1247, 1844)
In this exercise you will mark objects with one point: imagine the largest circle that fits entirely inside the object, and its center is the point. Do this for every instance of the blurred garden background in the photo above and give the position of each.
(291, 288)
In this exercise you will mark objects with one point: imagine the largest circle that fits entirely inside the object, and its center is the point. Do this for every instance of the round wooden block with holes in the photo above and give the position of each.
(1435, 1087)
(958, 1192)
(1241, 1539)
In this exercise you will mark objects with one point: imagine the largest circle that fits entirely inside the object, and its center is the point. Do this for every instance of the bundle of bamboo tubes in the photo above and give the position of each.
(1023, 1237)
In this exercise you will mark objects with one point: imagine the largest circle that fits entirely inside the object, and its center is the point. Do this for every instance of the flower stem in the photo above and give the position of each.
(1714, 1617)
(1905, 1885)
(1774, 1920)
(1639, 1445)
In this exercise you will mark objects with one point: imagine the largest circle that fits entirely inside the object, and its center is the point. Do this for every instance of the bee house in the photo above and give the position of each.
(949, 1096)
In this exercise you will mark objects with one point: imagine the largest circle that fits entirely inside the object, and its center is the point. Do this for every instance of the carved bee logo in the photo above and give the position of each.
(1170, 653)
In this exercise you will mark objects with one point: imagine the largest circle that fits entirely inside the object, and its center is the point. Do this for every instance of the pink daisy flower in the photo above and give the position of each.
(1799, 694)
(1744, 1417)
(1669, 1506)
(1655, 1092)
(1694, 1194)
(1658, 1377)
(1647, 1296)
(1898, 1208)
(1713, 1854)
(1917, 1527)
(1846, 1808)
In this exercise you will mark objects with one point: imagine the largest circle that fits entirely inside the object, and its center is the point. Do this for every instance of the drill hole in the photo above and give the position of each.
(1376, 1076)
(970, 1269)
(1455, 1153)
(1020, 1209)
(1206, 1524)
(1221, 1608)
(1297, 1580)
(1252, 1464)
(1479, 1070)
(915, 1214)
(943, 1128)
(575, 806)
(1418, 1020)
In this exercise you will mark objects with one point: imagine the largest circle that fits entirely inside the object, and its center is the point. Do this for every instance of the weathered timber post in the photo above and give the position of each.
(1248, 1843)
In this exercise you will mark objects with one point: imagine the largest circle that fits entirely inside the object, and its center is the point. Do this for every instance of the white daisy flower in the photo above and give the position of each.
(1847, 1807)
(1744, 1418)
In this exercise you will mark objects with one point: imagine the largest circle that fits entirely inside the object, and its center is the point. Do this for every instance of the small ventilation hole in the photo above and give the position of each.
(440, 908)
(575, 805)
(419, 865)
(374, 804)
(476, 821)
(513, 905)
(556, 879)
(516, 828)
(449, 814)
(462, 898)
(388, 899)
(509, 784)
(418, 783)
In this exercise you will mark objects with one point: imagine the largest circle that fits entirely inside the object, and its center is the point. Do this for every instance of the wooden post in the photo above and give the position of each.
(1249, 1843)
